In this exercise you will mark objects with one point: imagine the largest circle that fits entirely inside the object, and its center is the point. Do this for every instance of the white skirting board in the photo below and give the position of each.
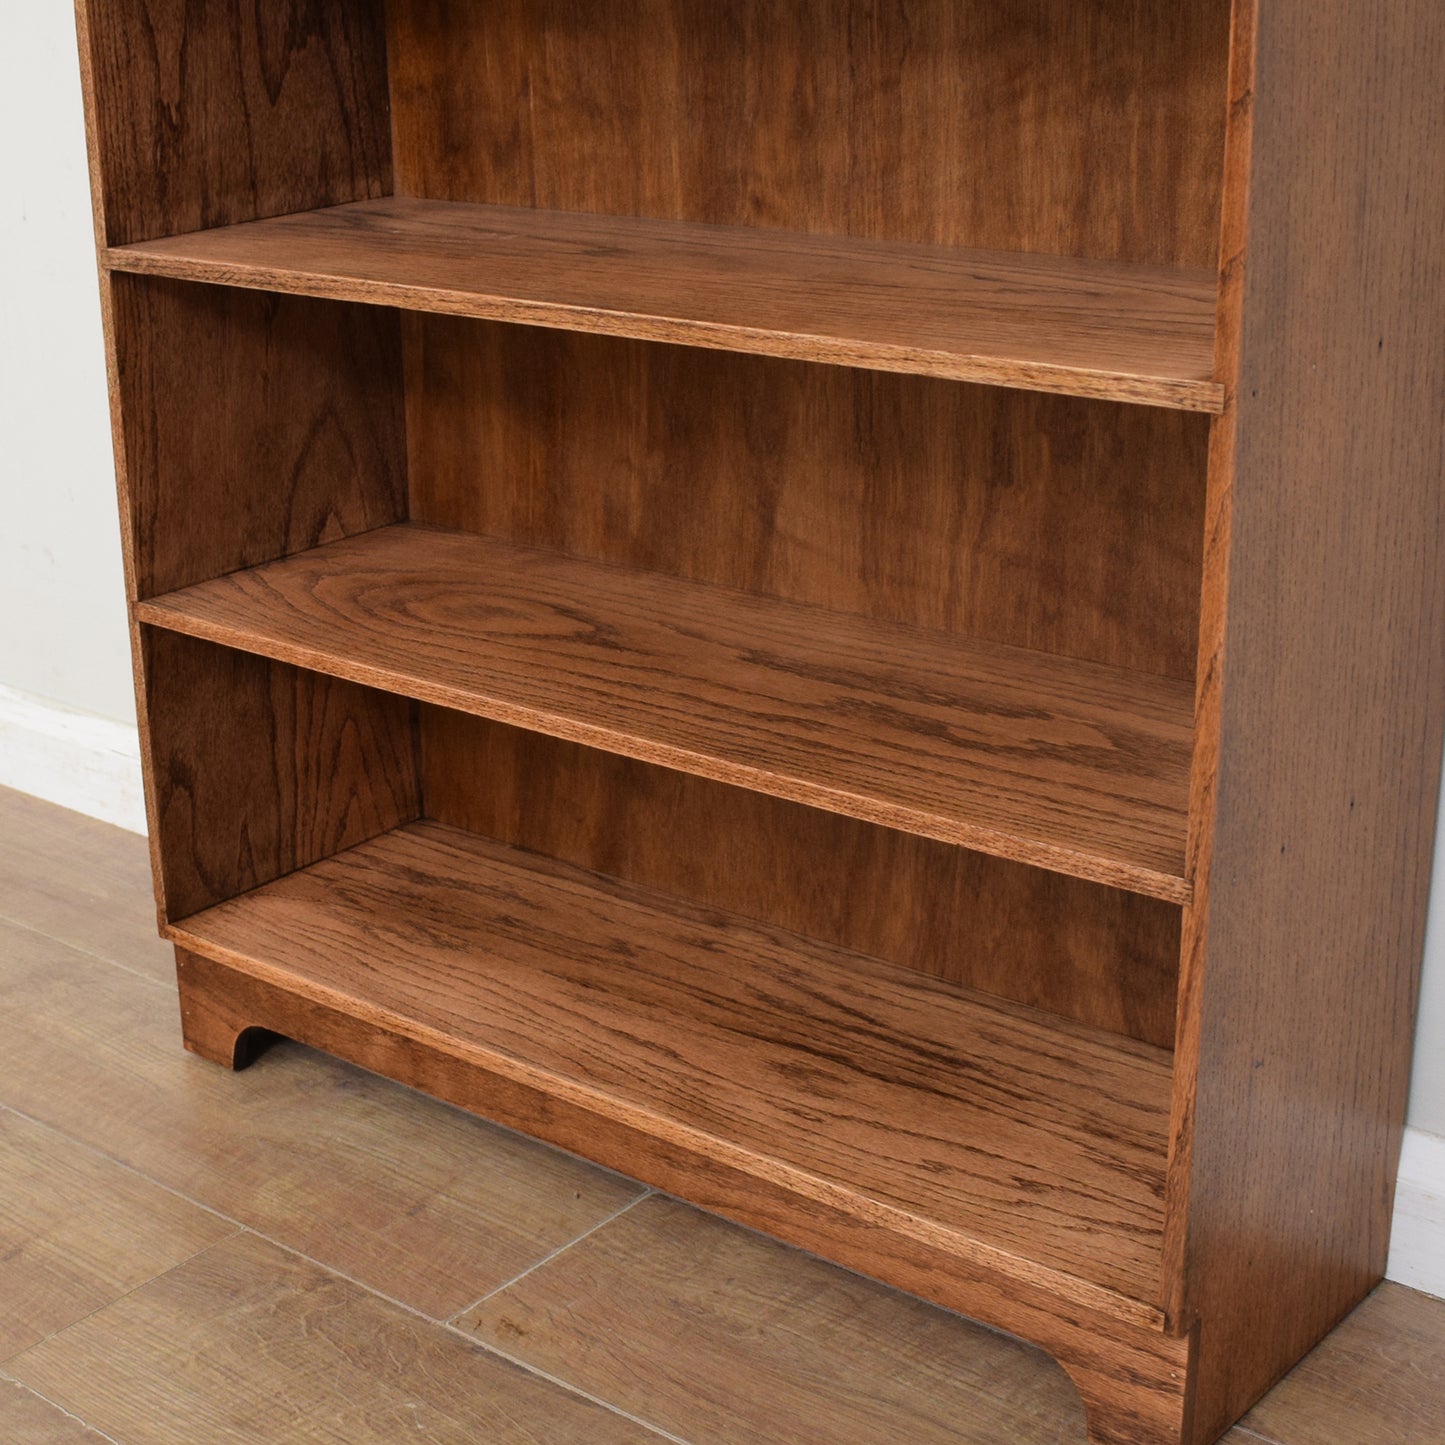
(92, 765)
(79, 761)
(1417, 1235)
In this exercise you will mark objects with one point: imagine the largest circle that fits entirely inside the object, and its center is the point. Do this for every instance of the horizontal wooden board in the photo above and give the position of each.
(997, 1133)
(1067, 765)
(1089, 328)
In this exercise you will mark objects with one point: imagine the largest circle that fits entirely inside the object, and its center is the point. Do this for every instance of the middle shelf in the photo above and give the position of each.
(1067, 765)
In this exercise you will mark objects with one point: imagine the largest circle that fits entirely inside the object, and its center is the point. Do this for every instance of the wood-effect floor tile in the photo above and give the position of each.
(26, 1419)
(726, 1338)
(247, 1343)
(413, 1198)
(77, 1231)
(81, 881)
(1379, 1379)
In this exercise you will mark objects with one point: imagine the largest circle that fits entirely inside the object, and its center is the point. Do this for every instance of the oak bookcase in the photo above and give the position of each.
(836, 604)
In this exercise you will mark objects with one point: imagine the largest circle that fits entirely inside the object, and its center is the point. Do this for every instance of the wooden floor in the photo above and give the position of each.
(306, 1252)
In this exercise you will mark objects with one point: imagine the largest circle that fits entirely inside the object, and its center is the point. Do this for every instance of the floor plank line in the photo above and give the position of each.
(10, 921)
(59, 1409)
(483, 1346)
(547, 1259)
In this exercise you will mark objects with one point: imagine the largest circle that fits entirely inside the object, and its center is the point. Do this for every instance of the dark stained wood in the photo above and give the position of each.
(248, 1342)
(1098, 955)
(1054, 523)
(719, 1335)
(1134, 1380)
(1025, 125)
(272, 424)
(259, 768)
(411, 1198)
(1064, 764)
(983, 1129)
(201, 115)
(77, 1232)
(1087, 328)
(1034, 194)
(1327, 643)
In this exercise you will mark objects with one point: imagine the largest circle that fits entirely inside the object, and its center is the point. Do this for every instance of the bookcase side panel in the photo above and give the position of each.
(208, 114)
(1054, 127)
(260, 768)
(1302, 954)
(1077, 949)
(254, 425)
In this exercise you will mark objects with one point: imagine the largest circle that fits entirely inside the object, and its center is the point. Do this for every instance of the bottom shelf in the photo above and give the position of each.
(998, 1136)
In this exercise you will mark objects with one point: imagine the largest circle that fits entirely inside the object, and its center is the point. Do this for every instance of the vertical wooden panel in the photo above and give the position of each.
(1304, 946)
(208, 112)
(259, 768)
(254, 425)
(1048, 522)
(1078, 949)
(1036, 125)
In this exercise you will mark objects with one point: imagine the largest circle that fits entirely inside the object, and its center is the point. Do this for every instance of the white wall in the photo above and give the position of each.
(1427, 1093)
(61, 593)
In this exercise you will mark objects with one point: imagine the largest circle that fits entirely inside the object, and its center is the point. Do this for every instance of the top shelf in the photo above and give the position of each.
(1083, 328)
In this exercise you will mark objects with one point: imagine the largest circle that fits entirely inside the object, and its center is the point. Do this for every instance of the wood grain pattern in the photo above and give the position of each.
(247, 1343)
(1047, 522)
(1026, 125)
(882, 1092)
(1087, 328)
(408, 1196)
(721, 1336)
(272, 424)
(1067, 765)
(26, 1419)
(77, 1232)
(1098, 955)
(1133, 1378)
(1328, 712)
(202, 115)
(259, 768)
(82, 881)
(1370, 1382)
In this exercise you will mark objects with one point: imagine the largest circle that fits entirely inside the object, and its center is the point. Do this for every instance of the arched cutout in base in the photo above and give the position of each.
(210, 1031)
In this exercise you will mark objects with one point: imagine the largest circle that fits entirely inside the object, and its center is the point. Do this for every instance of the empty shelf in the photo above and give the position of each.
(1087, 328)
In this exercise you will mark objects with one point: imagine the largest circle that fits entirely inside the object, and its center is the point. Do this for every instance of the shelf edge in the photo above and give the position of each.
(1056, 858)
(955, 1245)
(1171, 394)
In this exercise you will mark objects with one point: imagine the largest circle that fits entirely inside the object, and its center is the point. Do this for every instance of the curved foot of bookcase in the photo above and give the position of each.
(209, 1029)
(1140, 1400)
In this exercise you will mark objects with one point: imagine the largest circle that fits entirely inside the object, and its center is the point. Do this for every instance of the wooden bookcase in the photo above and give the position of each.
(835, 605)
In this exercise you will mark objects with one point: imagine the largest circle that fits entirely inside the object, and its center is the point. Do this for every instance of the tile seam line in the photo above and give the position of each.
(20, 923)
(5, 1365)
(546, 1259)
(547, 1375)
(131, 1169)
(54, 1405)
(481, 1346)
(240, 1228)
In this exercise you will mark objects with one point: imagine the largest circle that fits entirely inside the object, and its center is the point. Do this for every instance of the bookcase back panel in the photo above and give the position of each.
(1068, 526)
(1076, 949)
(1034, 125)
(259, 768)
(273, 424)
(210, 113)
